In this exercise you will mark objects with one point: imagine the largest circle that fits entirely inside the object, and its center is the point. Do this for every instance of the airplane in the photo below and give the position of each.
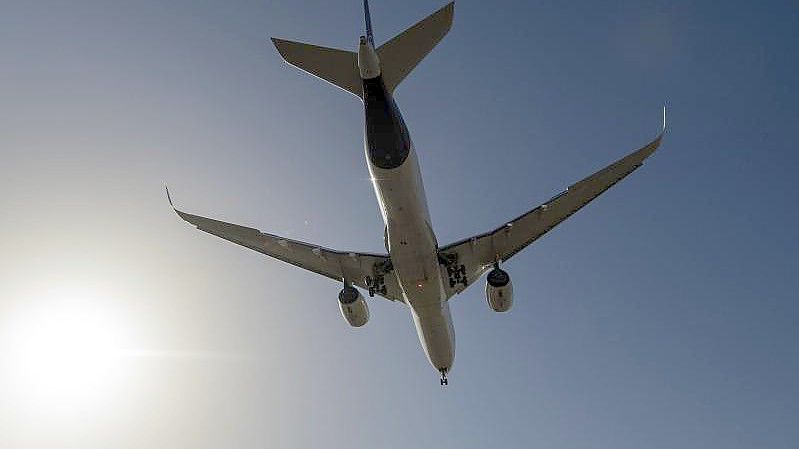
(416, 270)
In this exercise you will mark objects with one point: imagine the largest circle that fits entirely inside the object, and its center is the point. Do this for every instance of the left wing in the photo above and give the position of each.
(468, 259)
(368, 271)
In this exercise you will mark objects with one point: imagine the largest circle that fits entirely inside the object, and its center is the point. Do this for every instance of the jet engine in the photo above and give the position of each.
(499, 290)
(353, 307)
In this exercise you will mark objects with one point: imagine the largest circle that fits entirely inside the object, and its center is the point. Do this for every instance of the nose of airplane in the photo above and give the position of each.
(442, 361)
(440, 350)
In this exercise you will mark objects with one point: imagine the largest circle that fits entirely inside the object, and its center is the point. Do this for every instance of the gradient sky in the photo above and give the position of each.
(660, 316)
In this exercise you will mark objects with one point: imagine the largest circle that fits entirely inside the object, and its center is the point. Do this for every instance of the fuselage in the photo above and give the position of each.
(411, 243)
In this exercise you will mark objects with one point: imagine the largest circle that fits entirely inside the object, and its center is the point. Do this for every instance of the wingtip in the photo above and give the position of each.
(171, 204)
(168, 196)
(180, 213)
(280, 46)
(279, 43)
(449, 9)
(662, 132)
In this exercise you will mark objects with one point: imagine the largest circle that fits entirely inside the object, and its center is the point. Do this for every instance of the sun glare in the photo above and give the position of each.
(65, 355)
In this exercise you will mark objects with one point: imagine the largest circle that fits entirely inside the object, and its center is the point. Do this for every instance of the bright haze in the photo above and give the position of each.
(662, 315)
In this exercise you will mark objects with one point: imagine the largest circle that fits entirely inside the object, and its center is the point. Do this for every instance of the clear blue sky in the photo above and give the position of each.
(663, 315)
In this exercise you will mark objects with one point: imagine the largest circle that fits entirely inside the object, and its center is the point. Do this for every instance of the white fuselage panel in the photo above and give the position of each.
(413, 250)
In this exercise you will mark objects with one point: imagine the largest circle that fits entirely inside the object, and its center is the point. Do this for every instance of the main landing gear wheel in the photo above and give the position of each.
(444, 377)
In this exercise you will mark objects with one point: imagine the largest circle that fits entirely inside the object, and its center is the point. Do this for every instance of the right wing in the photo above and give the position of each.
(368, 271)
(468, 259)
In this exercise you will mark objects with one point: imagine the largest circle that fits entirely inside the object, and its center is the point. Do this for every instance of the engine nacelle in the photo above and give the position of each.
(353, 306)
(499, 290)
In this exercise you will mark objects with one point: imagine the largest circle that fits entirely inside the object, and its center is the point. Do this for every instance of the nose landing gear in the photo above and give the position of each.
(443, 377)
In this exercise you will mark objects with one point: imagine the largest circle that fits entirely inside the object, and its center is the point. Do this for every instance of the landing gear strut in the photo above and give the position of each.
(443, 377)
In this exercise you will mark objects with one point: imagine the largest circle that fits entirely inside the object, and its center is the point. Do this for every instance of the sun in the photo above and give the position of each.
(64, 355)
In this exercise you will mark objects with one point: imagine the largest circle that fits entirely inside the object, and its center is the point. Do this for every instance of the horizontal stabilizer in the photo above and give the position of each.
(401, 55)
(338, 67)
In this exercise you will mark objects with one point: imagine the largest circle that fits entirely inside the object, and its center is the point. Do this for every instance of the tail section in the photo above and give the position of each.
(368, 17)
(394, 60)
(400, 55)
(338, 67)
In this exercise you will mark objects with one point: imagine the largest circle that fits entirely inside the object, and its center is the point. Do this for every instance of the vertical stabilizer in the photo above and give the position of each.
(368, 17)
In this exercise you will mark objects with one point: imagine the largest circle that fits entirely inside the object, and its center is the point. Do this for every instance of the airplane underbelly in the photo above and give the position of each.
(400, 191)
(409, 235)
(436, 334)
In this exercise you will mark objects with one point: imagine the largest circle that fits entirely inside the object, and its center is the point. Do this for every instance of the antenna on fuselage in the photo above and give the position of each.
(369, 36)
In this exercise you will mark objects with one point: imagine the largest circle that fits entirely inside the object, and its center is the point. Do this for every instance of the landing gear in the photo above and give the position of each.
(457, 275)
(443, 377)
(456, 272)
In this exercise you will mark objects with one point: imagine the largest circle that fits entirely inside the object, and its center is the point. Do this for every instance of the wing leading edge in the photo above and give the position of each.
(476, 255)
(368, 271)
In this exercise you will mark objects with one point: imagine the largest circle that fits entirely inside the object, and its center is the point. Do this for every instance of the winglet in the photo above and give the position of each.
(662, 132)
(169, 197)
(186, 217)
